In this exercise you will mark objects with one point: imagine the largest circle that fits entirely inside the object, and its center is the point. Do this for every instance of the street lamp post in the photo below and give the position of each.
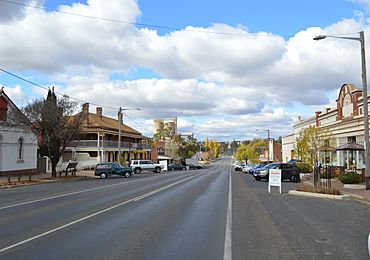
(120, 125)
(361, 39)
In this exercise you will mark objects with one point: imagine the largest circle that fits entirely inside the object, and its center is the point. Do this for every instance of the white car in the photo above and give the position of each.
(145, 165)
(247, 167)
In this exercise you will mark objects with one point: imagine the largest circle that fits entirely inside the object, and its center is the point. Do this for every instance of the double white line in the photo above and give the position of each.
(143, 196)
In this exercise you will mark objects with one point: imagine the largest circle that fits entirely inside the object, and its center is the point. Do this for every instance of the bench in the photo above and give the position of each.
(72, 167)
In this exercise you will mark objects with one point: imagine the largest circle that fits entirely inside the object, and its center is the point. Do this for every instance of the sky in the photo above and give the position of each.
(229, 70)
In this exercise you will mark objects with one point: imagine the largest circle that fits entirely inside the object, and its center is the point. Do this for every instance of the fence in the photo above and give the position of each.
(323, 176)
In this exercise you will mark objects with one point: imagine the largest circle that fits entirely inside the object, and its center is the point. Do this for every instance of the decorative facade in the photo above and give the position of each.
(346, 124)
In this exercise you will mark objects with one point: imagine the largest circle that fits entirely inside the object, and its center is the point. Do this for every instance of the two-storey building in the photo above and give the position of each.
(346, 124)
(98, 141)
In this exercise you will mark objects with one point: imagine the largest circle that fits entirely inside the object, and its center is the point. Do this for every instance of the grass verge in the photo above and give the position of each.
(308, 188)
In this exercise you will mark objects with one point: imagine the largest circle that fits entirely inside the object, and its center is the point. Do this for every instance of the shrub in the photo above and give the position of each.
(304, 167)
(350, 177)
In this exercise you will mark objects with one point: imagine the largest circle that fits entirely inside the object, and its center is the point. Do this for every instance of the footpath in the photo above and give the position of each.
(43, 178)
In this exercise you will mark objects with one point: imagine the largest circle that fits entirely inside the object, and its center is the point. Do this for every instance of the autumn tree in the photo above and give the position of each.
(55, 123)
(311, 142)
(213, 146)
(247, 153)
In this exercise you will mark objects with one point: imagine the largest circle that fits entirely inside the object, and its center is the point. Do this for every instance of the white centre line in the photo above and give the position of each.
(74, 193)
(95, 214)
(229, 220)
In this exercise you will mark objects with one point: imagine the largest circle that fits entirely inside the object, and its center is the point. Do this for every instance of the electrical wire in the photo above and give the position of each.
(64, 95)
(143, 24)
(56, 92)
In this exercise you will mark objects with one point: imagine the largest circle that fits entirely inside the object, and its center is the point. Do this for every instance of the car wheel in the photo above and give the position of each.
(137, 170)
(103, 176)
(257, 178)
(157, 170)
(127, 175)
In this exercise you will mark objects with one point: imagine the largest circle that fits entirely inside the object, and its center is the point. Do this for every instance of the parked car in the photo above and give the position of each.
(293, 161)
(176, 167)
(247, 167)
(288, 171)
(103, 170)
(239, 167)
(145, 165)
(255, 168)
(194, 167)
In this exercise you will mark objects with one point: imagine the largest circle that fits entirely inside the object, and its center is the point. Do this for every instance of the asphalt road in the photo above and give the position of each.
(178, 215)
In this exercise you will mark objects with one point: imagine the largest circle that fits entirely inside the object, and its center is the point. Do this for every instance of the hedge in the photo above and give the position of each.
(350, 178)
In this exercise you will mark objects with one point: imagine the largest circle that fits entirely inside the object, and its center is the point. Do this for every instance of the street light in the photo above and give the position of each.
(119, 126)
(361, 39)
(268, 143)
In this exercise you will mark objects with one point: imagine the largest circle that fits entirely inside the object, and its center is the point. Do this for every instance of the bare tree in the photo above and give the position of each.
(55, 124)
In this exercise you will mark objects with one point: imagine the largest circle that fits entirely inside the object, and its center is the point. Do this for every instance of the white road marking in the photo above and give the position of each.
(228, 231)
(73, 193)
(95, 214)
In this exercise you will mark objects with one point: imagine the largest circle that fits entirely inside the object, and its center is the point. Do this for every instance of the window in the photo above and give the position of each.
(20, 149)
(351, 139)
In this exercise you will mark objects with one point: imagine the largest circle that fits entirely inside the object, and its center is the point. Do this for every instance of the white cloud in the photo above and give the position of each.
(238, 79)
(17, 95)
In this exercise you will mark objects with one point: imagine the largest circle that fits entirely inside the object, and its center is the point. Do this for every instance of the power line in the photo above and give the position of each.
(64, 95)
(58, 93)
(132, 120)
(142, 24)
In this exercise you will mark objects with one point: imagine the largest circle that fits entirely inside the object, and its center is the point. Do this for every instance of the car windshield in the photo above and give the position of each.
(271, 166)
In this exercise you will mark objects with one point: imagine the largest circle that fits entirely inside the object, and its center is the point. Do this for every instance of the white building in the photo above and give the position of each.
(289, 141)
(18, 144)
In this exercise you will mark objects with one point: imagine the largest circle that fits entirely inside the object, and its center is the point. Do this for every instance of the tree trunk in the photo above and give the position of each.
(54, 162)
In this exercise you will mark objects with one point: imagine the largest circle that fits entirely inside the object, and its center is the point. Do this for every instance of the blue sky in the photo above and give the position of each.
(264, 74)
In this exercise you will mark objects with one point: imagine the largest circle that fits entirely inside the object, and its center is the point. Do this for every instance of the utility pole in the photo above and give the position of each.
(361, 39)
(268, 146)
(119, 131)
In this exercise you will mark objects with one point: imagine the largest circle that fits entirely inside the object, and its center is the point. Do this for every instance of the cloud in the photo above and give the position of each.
(17, 95)
(241, 80)
(10, 12)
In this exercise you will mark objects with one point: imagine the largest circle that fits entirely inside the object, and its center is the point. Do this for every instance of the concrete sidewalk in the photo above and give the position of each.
(43, 178)
(356, 191)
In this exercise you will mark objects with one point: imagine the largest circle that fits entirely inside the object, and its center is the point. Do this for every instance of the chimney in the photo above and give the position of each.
(317, 118)
(85, 112)
(99, 111)
(327, 109)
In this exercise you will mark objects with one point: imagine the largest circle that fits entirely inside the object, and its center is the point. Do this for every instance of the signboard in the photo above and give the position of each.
(274, 179)
(164, 163)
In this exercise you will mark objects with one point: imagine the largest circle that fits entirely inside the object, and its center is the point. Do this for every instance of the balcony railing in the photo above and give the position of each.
(108, 144)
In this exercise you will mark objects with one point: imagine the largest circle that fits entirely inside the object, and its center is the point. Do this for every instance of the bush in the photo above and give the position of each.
(304, 167)
(350, 178)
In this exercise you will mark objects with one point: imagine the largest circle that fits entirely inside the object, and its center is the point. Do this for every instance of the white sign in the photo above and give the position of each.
(274, 179)
(164, 163)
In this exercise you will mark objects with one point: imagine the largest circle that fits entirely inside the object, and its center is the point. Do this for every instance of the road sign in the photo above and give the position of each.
(274, 179)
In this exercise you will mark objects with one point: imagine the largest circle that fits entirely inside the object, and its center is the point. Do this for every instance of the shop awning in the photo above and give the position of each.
(350, 147)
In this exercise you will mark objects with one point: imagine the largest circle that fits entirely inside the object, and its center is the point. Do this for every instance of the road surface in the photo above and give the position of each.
(213, 213)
